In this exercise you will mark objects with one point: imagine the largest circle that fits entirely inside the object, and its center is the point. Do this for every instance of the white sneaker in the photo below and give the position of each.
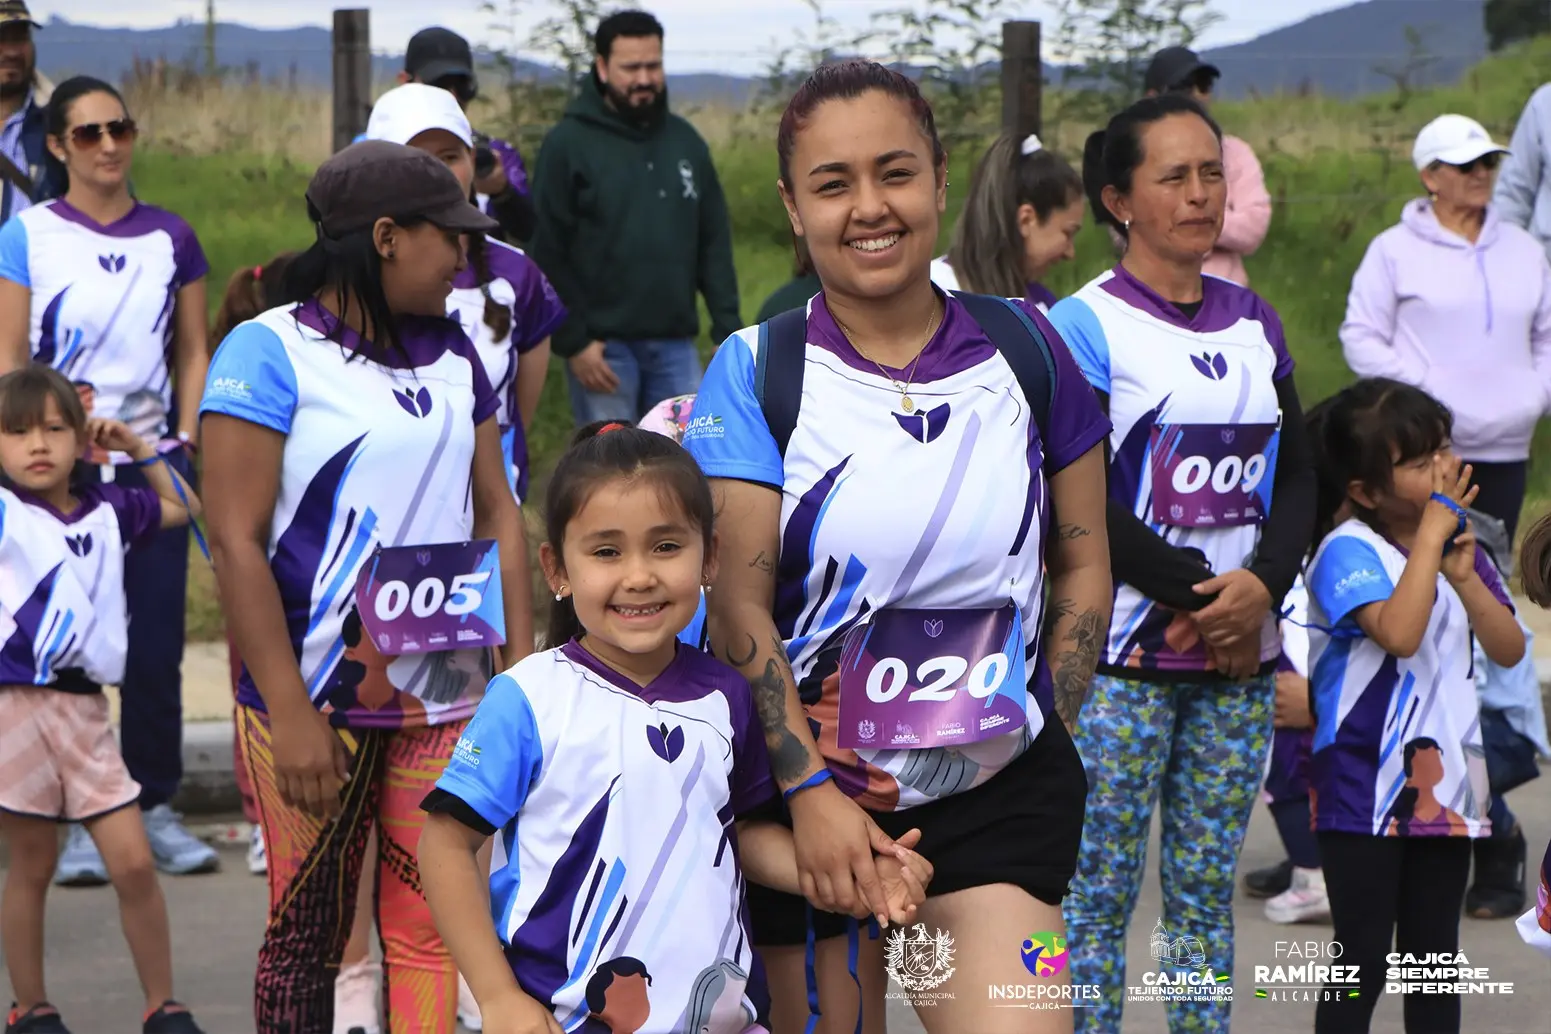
(355, 999)
(468, 1008)
(1305, 901)
(258, 859)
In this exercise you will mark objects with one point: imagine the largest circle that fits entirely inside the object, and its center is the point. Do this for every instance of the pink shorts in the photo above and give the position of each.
(58, 757)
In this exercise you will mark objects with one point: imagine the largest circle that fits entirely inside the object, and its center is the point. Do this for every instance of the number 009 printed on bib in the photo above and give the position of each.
(932, 678)
(422, 599)
(1212, 475)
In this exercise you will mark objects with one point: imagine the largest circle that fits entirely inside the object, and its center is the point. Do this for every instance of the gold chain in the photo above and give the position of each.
(905, 401)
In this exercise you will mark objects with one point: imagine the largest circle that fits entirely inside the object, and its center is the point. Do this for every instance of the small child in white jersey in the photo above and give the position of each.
(65, 627)
(623, 774)
(1398, 780)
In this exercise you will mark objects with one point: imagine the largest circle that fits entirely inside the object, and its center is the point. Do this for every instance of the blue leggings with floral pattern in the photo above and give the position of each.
(1201, 749)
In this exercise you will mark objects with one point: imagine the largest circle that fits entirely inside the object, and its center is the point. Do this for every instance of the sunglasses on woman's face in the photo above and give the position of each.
(90, 134)
(1486, 161)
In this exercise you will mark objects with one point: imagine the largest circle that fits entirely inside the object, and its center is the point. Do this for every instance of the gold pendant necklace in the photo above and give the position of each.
(905, 401)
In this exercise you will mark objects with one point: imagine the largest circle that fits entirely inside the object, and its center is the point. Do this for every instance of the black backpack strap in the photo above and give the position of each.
(778, 366)
(1012, 332)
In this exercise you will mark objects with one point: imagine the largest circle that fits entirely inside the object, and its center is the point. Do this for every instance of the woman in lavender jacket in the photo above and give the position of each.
(1458, 302)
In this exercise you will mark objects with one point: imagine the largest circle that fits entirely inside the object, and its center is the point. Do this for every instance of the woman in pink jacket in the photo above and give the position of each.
(1458, 302)
(1248, 215)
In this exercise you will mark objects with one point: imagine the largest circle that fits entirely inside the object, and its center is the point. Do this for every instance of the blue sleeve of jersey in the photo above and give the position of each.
(1080, 329)
(252, 379)
(727, 433)
(499, 756)
(1347, 576)
(14, 264)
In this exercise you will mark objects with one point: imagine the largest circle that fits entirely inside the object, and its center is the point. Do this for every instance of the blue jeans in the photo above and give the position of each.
(648, 372)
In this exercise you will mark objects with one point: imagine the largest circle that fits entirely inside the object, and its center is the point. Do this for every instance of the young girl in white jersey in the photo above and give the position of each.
(620, 772)
(1398, 779)
(65, 628)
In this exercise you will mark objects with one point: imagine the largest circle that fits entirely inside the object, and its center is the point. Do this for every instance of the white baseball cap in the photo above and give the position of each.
(405, 112)
(1453, 140)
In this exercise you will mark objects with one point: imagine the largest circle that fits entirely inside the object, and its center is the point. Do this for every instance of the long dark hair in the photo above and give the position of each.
(1404, 808)
(1535, 562)
(351, 266)
(622, 452)
(987, 252)
(498, 317)
(1111, 156)
(1361, 433)
(250, 291)
(56, 117)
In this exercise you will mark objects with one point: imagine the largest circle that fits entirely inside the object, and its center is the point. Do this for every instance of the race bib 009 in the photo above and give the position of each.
(423, 599)
(1212, 475)
(932, 678)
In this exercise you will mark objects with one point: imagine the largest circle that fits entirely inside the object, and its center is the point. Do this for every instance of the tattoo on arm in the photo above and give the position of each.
(788, 756)
(1071, 531)
(762, 563)
(1074, 664)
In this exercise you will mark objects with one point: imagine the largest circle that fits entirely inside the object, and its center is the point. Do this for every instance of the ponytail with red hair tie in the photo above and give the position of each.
(258, 272)
(614, 426)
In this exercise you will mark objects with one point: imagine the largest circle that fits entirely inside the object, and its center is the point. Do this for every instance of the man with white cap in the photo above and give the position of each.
(1523, 194)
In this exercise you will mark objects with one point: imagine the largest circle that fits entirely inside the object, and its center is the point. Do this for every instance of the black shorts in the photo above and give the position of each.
(1022, 826)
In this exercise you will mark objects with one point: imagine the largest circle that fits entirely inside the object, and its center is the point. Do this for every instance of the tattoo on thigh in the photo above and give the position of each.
(1074, 664)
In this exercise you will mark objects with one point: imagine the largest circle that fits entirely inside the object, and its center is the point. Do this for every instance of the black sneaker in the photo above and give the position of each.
(1270, 881)
(1498, 890)
(42, 1018)
(171, 1018)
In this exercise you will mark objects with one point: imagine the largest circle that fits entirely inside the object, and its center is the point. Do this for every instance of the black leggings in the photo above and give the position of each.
(1409, 889)
(1502, 491)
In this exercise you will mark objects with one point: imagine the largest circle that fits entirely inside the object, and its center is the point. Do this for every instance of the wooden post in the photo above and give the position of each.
(1023, 79)
(352, 75)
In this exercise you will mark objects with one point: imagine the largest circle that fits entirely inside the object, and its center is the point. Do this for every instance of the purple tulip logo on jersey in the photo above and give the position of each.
(425, 599)
(416, 404)
(111, 263)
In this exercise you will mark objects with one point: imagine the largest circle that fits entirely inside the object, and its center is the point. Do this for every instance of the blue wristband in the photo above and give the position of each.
(1439, 497)
(154, 458)
(823, 775)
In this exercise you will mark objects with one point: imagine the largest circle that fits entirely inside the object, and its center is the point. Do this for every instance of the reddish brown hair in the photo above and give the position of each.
(250, 291)
(848, 80)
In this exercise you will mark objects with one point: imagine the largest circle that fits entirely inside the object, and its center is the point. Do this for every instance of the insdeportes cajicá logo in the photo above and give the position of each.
(1184, 975)
(1046, 957)
(1307, 971)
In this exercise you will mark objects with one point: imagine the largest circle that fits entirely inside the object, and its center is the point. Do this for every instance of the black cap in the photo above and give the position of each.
(376, 179)
(437, 53)
(13, 11)
(1174, 67)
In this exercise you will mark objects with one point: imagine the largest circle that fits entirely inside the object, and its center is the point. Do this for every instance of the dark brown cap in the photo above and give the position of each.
(376, 179)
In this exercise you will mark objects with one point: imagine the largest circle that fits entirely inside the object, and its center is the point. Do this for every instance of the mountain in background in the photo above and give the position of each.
(1339, 53)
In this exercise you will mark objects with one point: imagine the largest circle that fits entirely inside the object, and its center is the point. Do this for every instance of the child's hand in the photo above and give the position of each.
(115, 437)
(1291, 710)
(1459, 565)
(517, 1013)
(905, 875)
(1451, 480)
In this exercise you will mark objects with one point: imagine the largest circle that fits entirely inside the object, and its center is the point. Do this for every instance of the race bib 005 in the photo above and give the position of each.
(932, 678)
(423, 599)
(1212, 475)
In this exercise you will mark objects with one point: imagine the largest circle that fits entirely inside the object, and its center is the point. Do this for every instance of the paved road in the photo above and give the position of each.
(216, 921)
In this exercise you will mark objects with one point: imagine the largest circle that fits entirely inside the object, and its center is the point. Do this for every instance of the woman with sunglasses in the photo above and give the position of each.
(1457, 301)
(111, 292)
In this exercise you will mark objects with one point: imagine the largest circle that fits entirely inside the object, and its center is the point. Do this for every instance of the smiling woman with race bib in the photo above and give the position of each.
(894, 468)
(1211, 510)
(352, 454)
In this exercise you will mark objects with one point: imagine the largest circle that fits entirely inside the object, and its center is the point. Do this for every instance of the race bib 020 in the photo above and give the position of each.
(1212, 475)
(424, 599)
(932, 678)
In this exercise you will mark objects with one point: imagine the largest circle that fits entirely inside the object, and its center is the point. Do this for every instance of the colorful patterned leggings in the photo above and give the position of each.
(314, 869)
(1202, 750)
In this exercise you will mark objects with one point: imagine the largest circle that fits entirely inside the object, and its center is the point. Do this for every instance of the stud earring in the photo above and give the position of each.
(560, 595)
(1127, 225)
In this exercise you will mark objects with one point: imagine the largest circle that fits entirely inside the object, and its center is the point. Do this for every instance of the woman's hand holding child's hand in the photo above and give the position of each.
(905, 875)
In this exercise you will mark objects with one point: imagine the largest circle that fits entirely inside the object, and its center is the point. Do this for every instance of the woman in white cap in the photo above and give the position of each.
(1022, 215)
(1457, 301)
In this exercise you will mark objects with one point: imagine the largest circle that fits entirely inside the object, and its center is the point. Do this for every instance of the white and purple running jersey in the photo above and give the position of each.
(614, 883)
(518, 285)
(942, 507)
(379, 450)
(1397, 749)
(1192, 400)
(103, 302)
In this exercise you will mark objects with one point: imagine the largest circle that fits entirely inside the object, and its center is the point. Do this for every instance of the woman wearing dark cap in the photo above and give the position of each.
(357, 417)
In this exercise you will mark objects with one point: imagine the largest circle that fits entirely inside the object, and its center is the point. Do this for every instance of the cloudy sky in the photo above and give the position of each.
(702, 35)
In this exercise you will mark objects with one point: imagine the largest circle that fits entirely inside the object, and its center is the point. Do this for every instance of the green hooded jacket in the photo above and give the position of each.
(631, 223)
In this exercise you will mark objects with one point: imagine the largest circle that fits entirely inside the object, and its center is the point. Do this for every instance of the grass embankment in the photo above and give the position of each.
(1339, 171)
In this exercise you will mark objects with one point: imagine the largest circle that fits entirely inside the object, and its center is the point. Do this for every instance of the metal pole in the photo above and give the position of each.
(1023, 79)
(352, 74)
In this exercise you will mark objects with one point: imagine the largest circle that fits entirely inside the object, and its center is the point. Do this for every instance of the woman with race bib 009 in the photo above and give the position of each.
(1211, 509)
(882, 577)
(351, 445)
